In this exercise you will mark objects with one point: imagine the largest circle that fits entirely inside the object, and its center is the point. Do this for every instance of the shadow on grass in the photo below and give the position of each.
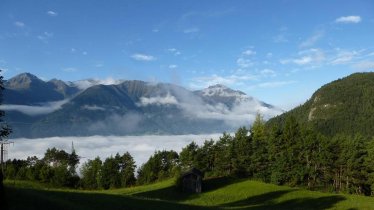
(269, 201)
(173, 194)
(21, 198)
(166, 198)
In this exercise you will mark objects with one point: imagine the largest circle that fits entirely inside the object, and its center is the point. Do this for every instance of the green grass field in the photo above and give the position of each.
(220, 193)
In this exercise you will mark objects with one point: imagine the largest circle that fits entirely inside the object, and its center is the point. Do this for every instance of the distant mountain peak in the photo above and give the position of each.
(222, 91)
(26, 75)
(22, 81)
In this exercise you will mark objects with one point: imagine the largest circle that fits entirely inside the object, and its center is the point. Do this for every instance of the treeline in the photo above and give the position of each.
(289, 154)
(58, 169)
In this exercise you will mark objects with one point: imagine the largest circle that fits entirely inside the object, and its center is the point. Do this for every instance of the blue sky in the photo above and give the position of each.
(277, 51)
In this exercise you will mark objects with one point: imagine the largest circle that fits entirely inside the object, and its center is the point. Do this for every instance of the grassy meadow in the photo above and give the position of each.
(219, 193)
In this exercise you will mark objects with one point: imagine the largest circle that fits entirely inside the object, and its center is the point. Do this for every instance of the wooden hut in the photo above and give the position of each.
(192, 180)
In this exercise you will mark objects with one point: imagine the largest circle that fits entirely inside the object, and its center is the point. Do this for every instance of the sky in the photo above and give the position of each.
(277, 51)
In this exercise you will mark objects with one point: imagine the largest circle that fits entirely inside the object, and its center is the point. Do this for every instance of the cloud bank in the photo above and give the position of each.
(44, 108)
(140, 147)
(158, 100)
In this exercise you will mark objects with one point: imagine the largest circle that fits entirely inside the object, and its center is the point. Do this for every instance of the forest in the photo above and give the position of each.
(289, 154)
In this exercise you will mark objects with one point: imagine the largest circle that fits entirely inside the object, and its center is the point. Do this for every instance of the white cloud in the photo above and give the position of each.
(84, 84)
(93, 108)
(244, 62)
(191, 30)
(242, 112)
(52, 13)
(303, 60)
(44, 108)
(249, 52)
(140, 147)
(203, 82)
(312, 40)
(364, 65)
(158, 100)
(143, 57)
(348, 19)
(173, 66)
(19, 24)
(344, 57)
(311, 56)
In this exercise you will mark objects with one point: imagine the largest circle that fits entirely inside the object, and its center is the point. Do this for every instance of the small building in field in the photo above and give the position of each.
(192, 180)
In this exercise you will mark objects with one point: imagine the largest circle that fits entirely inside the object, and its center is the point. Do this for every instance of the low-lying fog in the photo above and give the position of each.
(140, 147)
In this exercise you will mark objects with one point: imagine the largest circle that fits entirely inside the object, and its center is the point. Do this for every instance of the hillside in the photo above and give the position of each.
(220, 193)
(344, 106)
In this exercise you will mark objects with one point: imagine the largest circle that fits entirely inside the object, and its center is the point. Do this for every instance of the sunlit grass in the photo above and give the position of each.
(220, 193)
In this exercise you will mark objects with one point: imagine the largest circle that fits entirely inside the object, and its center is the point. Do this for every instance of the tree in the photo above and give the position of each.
(205, 157)
(161, 165)
(5, 131)
(91, 171)
(127, 169)
(259, 159)
(110, 176)
(188, 156)
(241, 153)
(223, 155)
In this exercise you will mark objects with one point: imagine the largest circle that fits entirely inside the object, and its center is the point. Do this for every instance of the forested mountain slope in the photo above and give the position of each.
(344, 106)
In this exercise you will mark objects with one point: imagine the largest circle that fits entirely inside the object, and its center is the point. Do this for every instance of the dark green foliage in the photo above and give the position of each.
(241, 154)
(58, 168)
(189, 156)
(110, 176)
(291, 153)
(161, 165)
(344, 106)
(223, 156)
(117, 171)
(91, 173)
(127, 169)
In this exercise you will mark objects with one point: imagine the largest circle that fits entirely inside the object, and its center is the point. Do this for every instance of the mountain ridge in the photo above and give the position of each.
(128, 107)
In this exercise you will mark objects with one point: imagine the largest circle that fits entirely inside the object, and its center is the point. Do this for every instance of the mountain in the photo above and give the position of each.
(27, 89)
(88, 107)
(344, 106)
(222, 94)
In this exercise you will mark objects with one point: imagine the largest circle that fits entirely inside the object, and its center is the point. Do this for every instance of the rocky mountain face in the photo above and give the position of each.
(27, 89)
(35, 108)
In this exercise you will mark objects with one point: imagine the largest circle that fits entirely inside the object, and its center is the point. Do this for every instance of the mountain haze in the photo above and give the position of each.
(36, 108)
